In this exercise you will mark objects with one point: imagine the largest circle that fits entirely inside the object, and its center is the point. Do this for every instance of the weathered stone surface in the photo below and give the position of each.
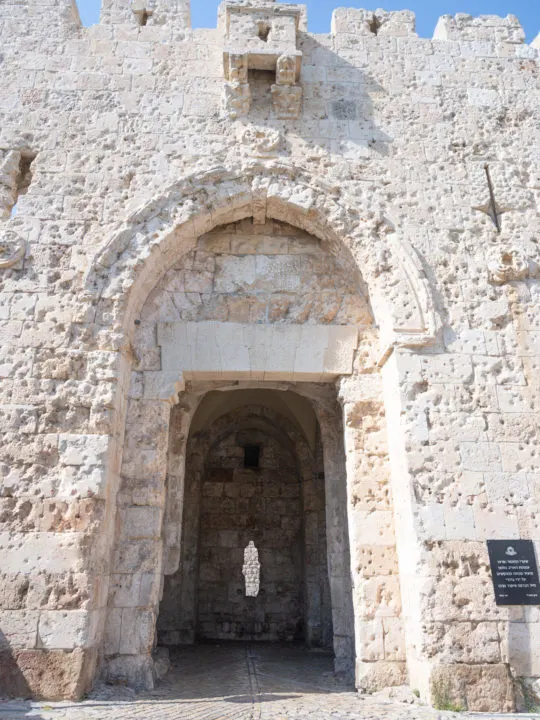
(52, 674)
(346, 219)
(479, 688)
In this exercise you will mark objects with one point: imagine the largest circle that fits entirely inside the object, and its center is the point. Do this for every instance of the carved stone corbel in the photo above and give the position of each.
(286, 96)
(237, 93)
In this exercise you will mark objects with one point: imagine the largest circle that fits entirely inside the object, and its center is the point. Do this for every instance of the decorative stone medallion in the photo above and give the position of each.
(261, 141)
(12, 248)
(507, 264)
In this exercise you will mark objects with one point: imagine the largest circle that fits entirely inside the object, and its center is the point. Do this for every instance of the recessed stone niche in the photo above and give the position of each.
(262, 36)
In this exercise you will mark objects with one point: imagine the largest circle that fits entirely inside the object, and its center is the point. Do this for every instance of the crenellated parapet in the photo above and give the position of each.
(56, 19)
(491, 28)
(146, 12)
(400, 23)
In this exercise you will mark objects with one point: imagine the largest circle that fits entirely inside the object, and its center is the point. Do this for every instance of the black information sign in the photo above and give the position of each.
(514, 572)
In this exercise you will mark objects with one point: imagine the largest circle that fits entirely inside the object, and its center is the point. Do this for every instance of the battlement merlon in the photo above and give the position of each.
(175, 13)
(351, 21)
(25, 18)
(491, 28)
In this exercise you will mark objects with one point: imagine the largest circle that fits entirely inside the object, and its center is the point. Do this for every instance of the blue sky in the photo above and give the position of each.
(204, 12)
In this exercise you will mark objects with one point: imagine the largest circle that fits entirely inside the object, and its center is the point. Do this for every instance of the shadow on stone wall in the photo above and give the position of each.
(338, 112)
(13, 685)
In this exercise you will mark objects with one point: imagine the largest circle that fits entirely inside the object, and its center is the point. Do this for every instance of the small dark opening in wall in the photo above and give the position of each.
(374, 25)
(252, 454)
(143, 17)
(24, 177)
(264, 31)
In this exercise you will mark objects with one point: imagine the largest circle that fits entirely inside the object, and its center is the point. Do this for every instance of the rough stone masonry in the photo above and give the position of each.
(325, 247)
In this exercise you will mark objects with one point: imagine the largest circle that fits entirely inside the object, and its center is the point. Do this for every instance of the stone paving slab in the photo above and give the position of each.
(238, 682)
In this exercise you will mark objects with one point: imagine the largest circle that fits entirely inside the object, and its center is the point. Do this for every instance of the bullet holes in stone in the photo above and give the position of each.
(252, 456)
(22, 178)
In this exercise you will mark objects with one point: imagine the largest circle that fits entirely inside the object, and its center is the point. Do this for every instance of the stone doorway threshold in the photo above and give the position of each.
(236, 681)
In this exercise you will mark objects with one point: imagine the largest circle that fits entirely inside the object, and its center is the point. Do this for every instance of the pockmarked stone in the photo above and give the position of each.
(260, 285)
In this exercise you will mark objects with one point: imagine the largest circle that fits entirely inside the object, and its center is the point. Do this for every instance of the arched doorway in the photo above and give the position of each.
(252, 477)
(165, 372)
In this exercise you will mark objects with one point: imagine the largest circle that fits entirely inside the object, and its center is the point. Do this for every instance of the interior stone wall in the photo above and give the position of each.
(239, 505)
(281, 507)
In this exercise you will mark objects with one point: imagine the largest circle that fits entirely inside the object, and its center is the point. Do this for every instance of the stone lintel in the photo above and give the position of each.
(214, 350)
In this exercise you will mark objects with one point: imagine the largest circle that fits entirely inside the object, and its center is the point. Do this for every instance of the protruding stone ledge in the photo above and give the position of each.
(492, 28)
(261, 36)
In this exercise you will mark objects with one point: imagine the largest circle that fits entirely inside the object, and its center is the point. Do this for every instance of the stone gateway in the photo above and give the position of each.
(269, 343)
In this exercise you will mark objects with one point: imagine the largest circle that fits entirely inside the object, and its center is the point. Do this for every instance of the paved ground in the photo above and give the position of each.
(236, 682)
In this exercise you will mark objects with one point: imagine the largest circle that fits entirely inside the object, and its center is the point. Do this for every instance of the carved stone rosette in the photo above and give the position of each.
(12, 249)
(507, 264)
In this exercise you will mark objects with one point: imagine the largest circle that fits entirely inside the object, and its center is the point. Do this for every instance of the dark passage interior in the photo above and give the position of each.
(253, 562)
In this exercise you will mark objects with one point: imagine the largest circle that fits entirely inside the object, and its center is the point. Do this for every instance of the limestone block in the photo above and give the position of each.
(141, 522)
(464, 642)
(522, 639)
(379, 597)
(376, 560)
(49, 552)
(459, 523)
(478, 688)
(47, 674)
(83, 450)
(394, 640)
(18, 629)
(364, 22)
(370, 647)
(67, 629)
(495, 523)
(138, 629)
(480, 456)
(142, 555)
(374, 528)
(216, 350)
(162, 385)
(505, 489)
(447, 368)
(113, 631)
(136, 671)
(374, 676)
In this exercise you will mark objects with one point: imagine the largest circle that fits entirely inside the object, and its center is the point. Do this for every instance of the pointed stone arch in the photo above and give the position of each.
(127, 266)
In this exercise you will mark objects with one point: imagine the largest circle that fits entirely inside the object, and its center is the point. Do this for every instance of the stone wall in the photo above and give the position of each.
(268, 512)
(135, 158)
(280, 506)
